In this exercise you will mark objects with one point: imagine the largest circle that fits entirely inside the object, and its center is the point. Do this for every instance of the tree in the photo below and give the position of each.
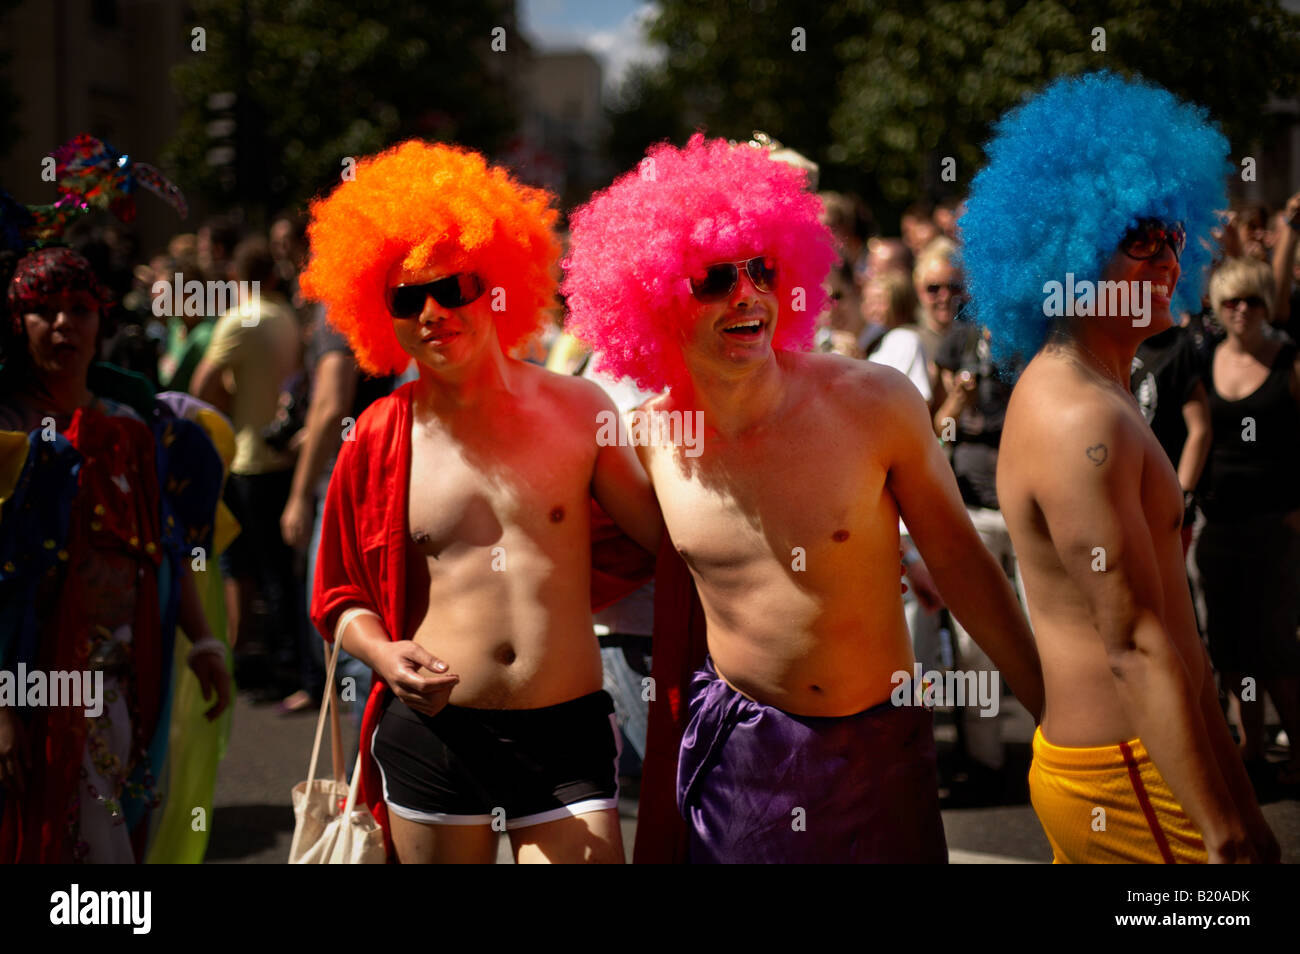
(886, 89)
(318, 81)
(734, 67)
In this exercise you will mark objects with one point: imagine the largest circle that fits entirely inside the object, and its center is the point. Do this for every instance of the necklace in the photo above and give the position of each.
(1101, 364)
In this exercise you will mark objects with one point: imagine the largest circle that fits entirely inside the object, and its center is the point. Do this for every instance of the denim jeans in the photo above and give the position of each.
(626, 662)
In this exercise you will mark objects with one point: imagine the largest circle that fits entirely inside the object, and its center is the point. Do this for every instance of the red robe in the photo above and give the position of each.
(363, 552)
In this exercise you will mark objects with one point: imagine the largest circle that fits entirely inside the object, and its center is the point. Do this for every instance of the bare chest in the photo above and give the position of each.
(739, 502)
(471, 490)
(1239, 376)
(1162, 495)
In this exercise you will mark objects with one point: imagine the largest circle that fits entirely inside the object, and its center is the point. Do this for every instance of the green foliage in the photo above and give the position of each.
(320, 80)
(887, 88)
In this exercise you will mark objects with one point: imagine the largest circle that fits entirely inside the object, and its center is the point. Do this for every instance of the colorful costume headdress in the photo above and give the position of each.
(418, 203)
(1070, 171)
(48, 271)
(90, 174)
(634, 245)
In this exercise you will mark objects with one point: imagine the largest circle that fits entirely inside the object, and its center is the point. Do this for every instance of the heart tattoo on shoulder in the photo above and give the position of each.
(1097, 453)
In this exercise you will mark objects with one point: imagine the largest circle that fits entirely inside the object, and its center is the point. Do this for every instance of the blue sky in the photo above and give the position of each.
(611, 29)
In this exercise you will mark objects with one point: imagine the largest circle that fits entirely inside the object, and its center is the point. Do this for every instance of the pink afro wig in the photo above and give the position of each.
(633, 246)
(420, 203)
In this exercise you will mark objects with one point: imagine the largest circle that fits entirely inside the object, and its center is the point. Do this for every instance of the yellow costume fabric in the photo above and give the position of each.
(1109, 805)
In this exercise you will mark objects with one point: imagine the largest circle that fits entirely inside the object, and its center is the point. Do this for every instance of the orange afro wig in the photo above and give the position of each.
(420, 203)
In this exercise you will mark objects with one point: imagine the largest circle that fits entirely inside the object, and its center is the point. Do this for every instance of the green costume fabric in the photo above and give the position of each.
(197, 745)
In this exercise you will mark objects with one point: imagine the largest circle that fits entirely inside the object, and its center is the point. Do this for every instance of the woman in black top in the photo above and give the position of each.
(1248, 553)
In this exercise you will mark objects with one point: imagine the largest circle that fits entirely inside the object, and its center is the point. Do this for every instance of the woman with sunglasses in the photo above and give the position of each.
(1248, 552)
(455, 548)
(1133, 761)
(940, 295)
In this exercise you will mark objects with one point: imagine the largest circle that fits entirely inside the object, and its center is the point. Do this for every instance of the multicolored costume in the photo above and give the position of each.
(121, 481)
(109, 483)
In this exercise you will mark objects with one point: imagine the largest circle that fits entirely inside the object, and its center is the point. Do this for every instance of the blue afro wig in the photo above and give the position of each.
(1070, 171)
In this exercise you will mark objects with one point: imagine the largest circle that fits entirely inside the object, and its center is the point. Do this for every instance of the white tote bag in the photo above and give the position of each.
(329, 828)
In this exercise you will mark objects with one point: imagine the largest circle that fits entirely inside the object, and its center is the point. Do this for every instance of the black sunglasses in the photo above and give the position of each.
(1148, 237)
(954, 288)
(1250, 301)
(720, 280)
(454, 291)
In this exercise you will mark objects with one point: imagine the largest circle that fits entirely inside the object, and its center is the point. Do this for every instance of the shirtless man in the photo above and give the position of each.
(787, 517)
(1140, 765)
(454, 556)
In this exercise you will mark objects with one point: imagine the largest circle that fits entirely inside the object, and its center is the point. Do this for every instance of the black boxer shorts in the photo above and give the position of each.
(519, 766)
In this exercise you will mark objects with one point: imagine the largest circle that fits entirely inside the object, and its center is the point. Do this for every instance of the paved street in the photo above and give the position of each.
(252, 821)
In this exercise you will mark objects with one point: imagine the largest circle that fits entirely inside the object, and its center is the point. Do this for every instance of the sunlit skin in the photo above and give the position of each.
(503, 455)
(940, 308)
(1082, 478)
(875, 304)
(918, 232)
(707, 344)
(876, 308)
(885, 255)
(1252, 232)
(937, 311)
(819, 453)
(846, 307)
(1245, 325)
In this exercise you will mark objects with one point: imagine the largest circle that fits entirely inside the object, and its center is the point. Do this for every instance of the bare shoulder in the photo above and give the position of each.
(565, 396)
(1061, 424)
(554, 384)
(860, 386)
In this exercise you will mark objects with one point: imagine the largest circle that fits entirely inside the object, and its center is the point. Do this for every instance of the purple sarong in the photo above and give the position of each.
(757, 785)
